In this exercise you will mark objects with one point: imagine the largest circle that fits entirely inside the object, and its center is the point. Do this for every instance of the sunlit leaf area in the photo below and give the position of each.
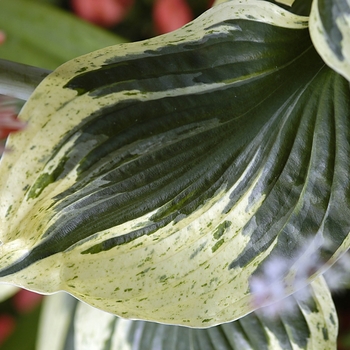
(174, 174)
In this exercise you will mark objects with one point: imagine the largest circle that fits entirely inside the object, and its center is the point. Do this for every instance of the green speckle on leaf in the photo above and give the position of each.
(325, 333)
(143, 272)
(81, 70)
(206, 320)
(46, 179)
(43, 180)
(200, 248)
(221, 229)
(8, 212)
(217, 245)
(163, 278)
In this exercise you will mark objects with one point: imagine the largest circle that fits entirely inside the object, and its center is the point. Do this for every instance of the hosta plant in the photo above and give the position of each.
(155, 180)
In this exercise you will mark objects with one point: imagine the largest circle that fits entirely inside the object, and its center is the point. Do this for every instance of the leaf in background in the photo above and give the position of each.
(56, 322)
(44, 36)
(155, 177)
(312, 325)
(6, 291)
(330, 33)
(299, 7)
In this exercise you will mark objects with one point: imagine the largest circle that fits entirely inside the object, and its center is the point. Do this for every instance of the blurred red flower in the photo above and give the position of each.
(7, 326)
(25, 301)
(169, 15)
(8, 117)
(106, 13)
(2, 37)
(9, 123)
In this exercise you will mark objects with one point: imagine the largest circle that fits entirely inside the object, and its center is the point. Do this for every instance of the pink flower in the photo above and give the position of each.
(8, 118)
(2, 37)
(169, 15)
(9, 123)
(26, 301)
(7, 326)
(106, 13)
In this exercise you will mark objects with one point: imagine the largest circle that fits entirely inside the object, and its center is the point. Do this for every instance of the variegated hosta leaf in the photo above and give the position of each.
(155, 177)
(330, 33)
(312, 325)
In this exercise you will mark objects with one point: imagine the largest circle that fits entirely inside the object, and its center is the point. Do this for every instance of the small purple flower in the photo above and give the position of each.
(270, 291)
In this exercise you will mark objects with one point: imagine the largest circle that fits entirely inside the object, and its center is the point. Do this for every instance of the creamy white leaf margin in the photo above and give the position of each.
(324, 323)
(333, 46)
(286, 2)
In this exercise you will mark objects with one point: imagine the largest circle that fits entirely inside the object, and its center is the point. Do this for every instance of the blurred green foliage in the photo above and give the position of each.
(46, 36)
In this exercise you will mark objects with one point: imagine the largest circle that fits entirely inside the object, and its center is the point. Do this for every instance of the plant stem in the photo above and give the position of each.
(19, 80)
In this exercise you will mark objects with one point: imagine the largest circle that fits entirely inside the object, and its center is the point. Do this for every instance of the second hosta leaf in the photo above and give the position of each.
(311, 325)
(329, 28)
(155, 177)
